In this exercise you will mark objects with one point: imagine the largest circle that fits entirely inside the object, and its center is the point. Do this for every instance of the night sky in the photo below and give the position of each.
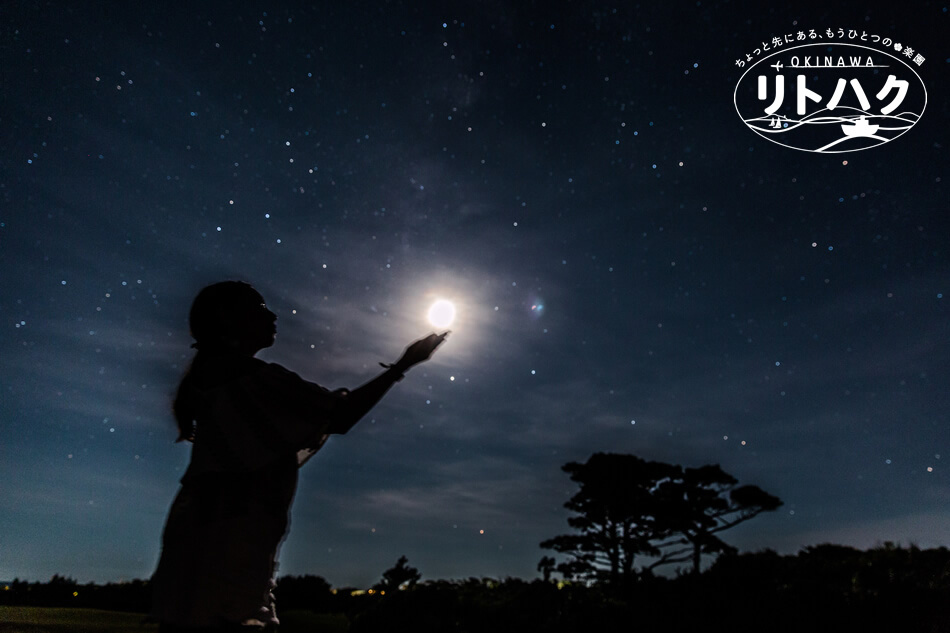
(634, 269)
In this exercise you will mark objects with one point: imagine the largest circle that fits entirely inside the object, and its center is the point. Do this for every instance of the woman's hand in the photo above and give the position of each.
(420, 351)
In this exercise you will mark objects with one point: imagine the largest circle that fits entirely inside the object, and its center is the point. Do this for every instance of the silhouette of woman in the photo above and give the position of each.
(252, 424)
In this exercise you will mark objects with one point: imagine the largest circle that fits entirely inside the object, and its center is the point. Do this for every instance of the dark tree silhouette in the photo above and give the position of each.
(398, 575)
(700, 504)
(627, 506)
(616, 516)
(546, 566)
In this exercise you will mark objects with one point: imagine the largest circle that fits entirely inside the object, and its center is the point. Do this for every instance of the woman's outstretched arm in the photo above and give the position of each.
(355, 404)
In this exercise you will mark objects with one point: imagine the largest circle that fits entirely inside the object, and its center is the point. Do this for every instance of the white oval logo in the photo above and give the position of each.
(830, 98)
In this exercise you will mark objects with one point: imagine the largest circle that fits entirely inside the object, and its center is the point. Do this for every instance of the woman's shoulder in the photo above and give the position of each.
(272, 369)
(210, 371)
(279, 381)
(275, 373)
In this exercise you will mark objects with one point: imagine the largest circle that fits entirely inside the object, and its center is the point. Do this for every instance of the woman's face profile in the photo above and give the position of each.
(257, 324)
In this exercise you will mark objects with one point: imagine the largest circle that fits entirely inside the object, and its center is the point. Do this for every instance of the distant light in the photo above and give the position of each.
(441, 313)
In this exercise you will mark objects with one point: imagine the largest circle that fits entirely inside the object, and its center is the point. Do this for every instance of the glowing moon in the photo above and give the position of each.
(442, 313)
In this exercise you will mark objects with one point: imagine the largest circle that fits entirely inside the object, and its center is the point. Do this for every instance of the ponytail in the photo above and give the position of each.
(186, 408)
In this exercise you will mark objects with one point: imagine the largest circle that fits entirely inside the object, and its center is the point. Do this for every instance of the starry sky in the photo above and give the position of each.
(634, 270)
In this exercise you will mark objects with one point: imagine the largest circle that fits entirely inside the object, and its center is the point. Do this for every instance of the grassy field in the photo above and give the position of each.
(50, 620)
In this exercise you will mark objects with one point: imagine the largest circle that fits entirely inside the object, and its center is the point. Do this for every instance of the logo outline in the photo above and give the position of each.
(860, 124)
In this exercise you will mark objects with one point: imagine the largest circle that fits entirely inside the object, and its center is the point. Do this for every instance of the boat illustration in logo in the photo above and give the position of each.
(861, 127)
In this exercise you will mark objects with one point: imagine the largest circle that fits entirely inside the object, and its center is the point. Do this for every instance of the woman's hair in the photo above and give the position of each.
(210, 327)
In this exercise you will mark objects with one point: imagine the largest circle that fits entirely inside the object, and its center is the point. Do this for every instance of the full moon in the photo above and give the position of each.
(442, 313)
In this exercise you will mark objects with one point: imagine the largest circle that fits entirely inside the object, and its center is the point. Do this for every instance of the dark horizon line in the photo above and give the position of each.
(880, 545)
